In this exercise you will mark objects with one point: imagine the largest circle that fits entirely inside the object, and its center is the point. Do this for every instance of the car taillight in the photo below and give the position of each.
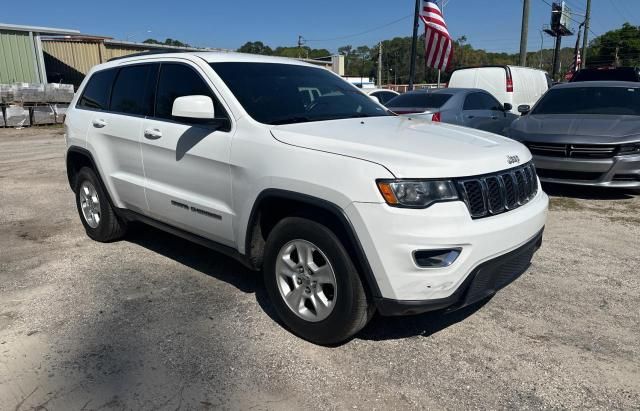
(436, 117)
(509, 81)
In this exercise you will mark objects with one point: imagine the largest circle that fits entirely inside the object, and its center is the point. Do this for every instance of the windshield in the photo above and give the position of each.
(590, 100)
(419, 100)
(287, 93)
(618, 74)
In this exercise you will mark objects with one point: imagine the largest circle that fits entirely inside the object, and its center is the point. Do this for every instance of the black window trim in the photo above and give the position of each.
(214, 91)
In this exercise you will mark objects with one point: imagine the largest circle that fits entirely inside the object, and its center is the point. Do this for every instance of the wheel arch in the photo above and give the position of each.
(78, 157)
(282, 203)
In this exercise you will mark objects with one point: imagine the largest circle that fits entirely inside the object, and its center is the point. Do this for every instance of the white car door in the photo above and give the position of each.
(114, 100)
(186, 162)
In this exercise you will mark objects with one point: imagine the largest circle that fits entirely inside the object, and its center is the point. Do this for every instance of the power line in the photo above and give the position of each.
(363, 32)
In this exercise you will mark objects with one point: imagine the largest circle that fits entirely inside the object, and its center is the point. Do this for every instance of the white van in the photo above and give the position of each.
(509, 84)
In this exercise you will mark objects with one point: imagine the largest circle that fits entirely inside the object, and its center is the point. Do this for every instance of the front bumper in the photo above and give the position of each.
(618, 171)
(484, 281)
(389, 237)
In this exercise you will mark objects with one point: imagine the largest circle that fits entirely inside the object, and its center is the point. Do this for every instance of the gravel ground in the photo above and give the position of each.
(155, 322)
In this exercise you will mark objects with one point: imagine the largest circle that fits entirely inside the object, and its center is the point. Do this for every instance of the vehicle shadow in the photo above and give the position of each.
(227, 269)
(586, 192)
(424, 325)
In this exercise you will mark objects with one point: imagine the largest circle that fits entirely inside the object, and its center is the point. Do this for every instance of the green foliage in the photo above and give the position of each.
(363, 60)
(167, 42)
(255, 47)
(625, 42)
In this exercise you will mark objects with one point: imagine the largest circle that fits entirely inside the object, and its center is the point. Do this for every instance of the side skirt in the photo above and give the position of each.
(129, 215)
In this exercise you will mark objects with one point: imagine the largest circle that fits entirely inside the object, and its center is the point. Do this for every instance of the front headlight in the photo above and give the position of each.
(626, 149)
(417, 193)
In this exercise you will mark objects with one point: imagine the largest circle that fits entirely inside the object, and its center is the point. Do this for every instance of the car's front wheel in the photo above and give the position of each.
(312, 282)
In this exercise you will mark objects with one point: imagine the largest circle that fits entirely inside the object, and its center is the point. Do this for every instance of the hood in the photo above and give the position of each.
(576, 129)
(408, 147)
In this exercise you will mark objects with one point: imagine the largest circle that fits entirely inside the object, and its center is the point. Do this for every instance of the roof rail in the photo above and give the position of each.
(150, 52)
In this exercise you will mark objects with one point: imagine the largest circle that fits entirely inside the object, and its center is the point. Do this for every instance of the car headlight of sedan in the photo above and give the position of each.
(417, 193)
(626, 149)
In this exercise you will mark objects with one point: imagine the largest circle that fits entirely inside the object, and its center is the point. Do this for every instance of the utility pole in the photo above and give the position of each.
(300, 43)
(556, 58)
(414, 41)
(524, 33)
(541, 46)
(380, 65)
(587, 19)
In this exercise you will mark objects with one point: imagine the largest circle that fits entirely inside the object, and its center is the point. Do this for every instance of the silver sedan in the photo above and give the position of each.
(585, 133)
(469, 107)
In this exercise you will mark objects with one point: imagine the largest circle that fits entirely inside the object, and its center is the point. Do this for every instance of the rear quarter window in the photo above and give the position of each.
(96, 93)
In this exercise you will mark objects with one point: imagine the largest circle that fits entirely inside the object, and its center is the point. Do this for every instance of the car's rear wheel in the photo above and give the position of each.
(96, 213)
(312, 282)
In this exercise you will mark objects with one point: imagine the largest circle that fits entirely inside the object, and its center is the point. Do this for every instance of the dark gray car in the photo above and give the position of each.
(585, 133)
(469, 107)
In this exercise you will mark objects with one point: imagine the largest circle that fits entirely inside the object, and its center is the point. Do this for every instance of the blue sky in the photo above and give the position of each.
(490, 24)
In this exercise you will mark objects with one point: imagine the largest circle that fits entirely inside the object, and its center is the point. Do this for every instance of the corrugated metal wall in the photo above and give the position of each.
(17, 57)
(69, 61)
(113, 50)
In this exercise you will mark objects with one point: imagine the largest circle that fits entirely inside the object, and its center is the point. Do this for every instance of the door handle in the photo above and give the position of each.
(99, 123)
(494, 117)
(152, 133)
(470, 116)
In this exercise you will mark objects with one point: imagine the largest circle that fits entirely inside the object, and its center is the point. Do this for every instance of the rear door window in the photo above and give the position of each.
(131, 94)
(95, 95)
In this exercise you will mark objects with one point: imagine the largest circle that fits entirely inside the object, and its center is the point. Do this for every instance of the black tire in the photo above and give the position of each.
(110, 227)
(352, 308)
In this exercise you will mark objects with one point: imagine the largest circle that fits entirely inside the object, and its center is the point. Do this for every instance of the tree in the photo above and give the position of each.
(167, 42)
(346, 52)
(623, 43)
(255, 47)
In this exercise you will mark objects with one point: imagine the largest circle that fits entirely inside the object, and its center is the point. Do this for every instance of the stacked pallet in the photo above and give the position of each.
(25, 104)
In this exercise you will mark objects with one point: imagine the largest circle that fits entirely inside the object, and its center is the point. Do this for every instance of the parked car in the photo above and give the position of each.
(382, 95)
(607, 74)
(508, 84)
(585, 133)
(469, 107)
(345, 207)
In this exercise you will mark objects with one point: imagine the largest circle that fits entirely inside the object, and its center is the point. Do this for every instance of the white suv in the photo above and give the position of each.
(345, 207)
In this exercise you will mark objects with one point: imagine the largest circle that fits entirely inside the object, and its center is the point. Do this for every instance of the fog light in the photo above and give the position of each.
(436, 258)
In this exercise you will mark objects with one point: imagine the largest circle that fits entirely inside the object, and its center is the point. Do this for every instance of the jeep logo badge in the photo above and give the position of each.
(513, 159)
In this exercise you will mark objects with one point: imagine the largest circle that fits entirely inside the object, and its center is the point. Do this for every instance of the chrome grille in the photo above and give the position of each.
(573, 150)
(499, 192)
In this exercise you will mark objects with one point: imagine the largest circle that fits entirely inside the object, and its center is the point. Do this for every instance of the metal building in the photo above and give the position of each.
(68, 59)
(21, 55)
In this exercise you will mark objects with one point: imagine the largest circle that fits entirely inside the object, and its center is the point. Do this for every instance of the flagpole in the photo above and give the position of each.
(414, 41)
(439, 71)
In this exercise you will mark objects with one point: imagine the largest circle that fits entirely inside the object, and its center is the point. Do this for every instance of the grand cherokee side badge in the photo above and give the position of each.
(513, 159)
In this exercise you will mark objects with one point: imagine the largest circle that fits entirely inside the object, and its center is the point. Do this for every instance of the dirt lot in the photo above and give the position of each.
(156, 322)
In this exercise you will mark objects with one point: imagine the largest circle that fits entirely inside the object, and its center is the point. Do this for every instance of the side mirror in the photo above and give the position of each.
(507, 107)
(524, 109)
(198, 107)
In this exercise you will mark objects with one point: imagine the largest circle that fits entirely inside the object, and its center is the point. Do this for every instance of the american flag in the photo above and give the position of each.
(437, 41)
